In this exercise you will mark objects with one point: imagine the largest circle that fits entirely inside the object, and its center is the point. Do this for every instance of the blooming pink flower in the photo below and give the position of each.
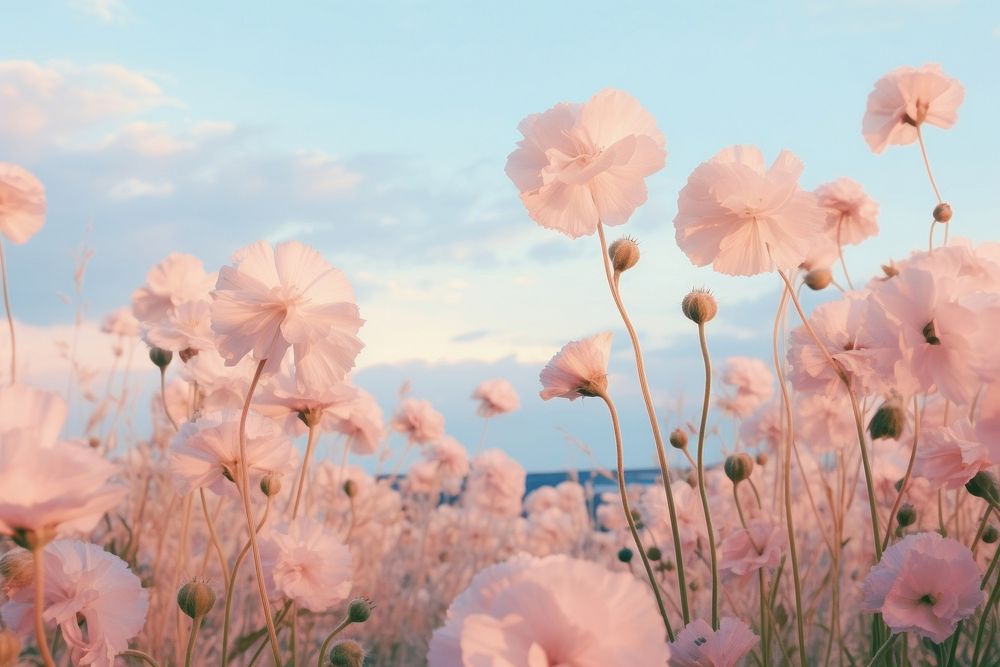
(363, 425)
(950, 456)
(281, 398)
(496, 397)
(177, 279)
(852, 216)
(22, 203)
(451, 460)
(550, 611)
(697, 645)
(307, 564)
(905, 98)
(759, 545)
(272, 299)
(496, 484)
(580, 368)
(924, 584)
(97, 602)
(187, 328)
(743, 218)
(825, 422)
(580, 164)
(419, 421)
(752, 381)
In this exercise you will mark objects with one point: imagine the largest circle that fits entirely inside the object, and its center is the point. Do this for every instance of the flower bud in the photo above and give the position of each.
(624, 254)
(625, 555)
(654, 553)
(888, 421)
(270, 485)
(678, 439)
(942, 212)
(738, 467)
(196, 598)
(359, 610)
(699, 306)
(10, 648)
(351, 488)
(907, 515)
(984, 485)
(889, 270)
(160, 357)
(347, 653)
(762, 459)
(818, 279)
(990, 534)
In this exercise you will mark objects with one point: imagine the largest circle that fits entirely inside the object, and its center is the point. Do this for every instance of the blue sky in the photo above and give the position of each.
(377, 132)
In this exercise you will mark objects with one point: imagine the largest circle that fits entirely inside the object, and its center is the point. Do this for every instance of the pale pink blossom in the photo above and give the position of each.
(550, 611)
(925, 584)
(205, 453)
(744, 218)
(451, 460)
(851, 215)
(281, 398)
(825, 423)
(307, 564)
(179, 278)
(581, 164)
(275, 298)
(746, 550)
(22, 203)
(423, 477)
(187, 328)
(765, 425)
(30, 413)
(697, 645)
(91, 595)
(220, 387)
(950, 456)
(904, 99)
(364, 425)
(496, 484)
(752, 383)
(419, 421)
(121, 322)
(580, 368)
(497, 397)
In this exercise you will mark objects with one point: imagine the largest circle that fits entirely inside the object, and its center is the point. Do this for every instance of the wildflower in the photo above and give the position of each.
(307, 565)
(579, 369)
(906, 98)
(497, 397)
(419, 421)
(697, 645)
(22, 203)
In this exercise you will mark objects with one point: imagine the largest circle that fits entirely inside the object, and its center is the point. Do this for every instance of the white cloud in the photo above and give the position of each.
(134, 188)
(108, 11)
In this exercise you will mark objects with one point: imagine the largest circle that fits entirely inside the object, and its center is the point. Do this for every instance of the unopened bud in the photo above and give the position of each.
(818, 279)
(738, 467)
(359, 610)
(654, 553)
(160, 357)
(270, 485)
(942, 212)
(678, 439)
(351, 488)
(762, 459)
(624, 254)
(984, 485)
(699, 306)
(625, 555)
(907, 515)
(347, 653)
(990, 534)
(196, 598)
(10, 648)
(888, 421)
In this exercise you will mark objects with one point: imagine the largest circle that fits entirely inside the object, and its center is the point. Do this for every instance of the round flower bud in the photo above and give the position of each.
(907, 515)
(984, 485)
(818, 279)
(10, 648)
(942, 212)
(359, 610)
(654, 553)
(678, 439)
(347, 653)
(625, 555)
(699, 306)
(738, 467)
(160, 357)
(762, 459)
(624, 254)
(270, 485)
(196, 598)
(990, 534)
(351, 488)
(888, 421)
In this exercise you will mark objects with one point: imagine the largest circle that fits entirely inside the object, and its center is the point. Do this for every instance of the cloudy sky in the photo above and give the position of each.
(377, 132)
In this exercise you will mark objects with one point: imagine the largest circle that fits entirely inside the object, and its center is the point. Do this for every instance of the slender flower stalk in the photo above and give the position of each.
(10, 316)
(192, 638)
(38, 558)
(310, 445)
(231, 586)
(840, 252)
(661, 454)
(906, 476)
(761, 586)
(163, 398)
(322, 659)
(701, 474)
(214, 537)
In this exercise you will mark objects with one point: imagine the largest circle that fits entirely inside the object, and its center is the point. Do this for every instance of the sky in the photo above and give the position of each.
(378, 132)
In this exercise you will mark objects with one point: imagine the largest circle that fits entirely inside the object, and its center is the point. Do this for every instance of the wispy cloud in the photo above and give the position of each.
(108, 11)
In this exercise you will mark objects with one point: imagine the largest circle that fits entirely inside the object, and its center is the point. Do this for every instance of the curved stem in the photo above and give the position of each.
(10, 316)
(764, 641)
(163, 398)
(882, 650)
(840, 251)
(231, 587)
(43, 647)
(930, 236)
(192, 638)
(310, 444)
(145, 657)
(214, 537)
(628, 513)
(994, 595)
(701, 474)
(906, 477)
(661, 454)
(329, 638)
(927, 164)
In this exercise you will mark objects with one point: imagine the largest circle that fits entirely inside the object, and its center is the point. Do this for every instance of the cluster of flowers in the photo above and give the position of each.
(864, 484)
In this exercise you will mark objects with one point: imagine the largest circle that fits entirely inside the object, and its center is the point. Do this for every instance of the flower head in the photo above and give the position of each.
(496, 397)
(419, 421)
(851, 215)
(904, 99)
(22, 203)
(950, 456)
(579, 369)
(178, 279)
(307, 564)
(697, 645)
(496, 484)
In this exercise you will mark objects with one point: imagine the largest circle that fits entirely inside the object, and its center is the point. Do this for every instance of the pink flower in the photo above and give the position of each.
(825, 422)
(924, 584)
(271, 299)
(550, 611)
(759, 545)
(752, 381)
(697, 645)
(305, 563)
(29, 413)
(583, 164)
(765, 425)
(744, 219)
(22, 203)
(281, 398)
(121, 323)
(950, 456)
(852, 216)
(496, 397)
(97, 602)
(496, 484)
(419, 421)
(905, 98)
(451, 460)
(579, 369)
(177, 279)
(363, 425)
(187, 328)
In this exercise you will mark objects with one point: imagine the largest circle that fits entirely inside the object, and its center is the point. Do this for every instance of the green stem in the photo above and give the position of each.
(329, 638)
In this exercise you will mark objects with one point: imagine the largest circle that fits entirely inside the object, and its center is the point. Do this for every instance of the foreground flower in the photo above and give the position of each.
(744, 218)
(950, 456)
(550, 611)
(27, 412)
(697, 645)
(924, 584)
(22, 203)
(272, 299)
(581, 164)
(308, 565)
(579, 369)
(97, 602)
(419, 421)
(497, 397)
(851, 215)
(904, 99)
